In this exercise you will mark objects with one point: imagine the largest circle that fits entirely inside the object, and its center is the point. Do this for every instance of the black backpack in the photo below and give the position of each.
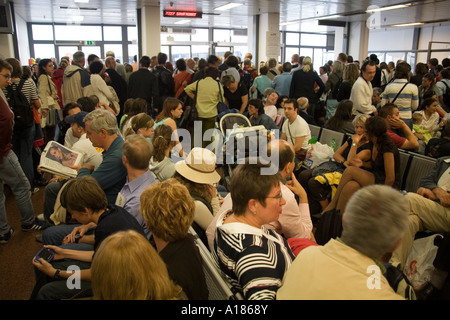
(328, 227)
(23, 114)
(335, 91)
(446, 95)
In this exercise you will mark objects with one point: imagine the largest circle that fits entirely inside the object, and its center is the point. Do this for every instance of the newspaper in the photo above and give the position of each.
(57, 159)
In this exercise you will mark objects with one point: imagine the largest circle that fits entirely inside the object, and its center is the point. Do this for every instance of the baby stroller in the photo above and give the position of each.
(240, 140)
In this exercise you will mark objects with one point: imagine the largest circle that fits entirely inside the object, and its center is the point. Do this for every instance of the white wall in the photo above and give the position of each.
(391, 39)
(22, 39)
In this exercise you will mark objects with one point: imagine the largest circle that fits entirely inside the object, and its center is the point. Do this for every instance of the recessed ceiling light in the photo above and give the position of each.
(228, 6)
(399, 6)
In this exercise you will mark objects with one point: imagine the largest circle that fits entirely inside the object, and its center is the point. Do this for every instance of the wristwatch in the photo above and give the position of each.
(56, 276)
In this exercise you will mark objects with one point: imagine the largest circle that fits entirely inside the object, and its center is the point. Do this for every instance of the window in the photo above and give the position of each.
(292, 39)
(112, 33)
(78, 33)
(220, 35)
(200, 51)
(179, 52)
(132, 51)
(314, 40)
(132, 34)
(200, 35)
(44, 51)
(290, 51)
(42, 32)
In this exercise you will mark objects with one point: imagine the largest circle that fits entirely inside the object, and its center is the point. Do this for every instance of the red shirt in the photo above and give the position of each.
(396, 139)
(6, 128)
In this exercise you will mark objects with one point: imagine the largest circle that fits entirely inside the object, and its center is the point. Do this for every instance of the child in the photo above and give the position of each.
(421, 133)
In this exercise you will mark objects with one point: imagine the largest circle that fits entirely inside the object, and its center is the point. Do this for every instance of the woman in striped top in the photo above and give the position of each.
(252, 257)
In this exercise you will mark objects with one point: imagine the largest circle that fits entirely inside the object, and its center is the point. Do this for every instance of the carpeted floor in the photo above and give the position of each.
(16, 270)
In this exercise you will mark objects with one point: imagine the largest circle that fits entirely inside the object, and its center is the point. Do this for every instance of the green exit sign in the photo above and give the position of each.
(89, 43)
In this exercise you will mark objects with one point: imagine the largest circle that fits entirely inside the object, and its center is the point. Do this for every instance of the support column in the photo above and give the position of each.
(151, 30)
(358, 35)
(338, 41)
(267, 48)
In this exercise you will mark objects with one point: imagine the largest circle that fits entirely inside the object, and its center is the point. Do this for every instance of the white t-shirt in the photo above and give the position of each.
(271, 111)
(299, 128)
(91, 155)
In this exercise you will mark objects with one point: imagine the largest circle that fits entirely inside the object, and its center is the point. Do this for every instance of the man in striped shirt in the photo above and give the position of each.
(403, 94)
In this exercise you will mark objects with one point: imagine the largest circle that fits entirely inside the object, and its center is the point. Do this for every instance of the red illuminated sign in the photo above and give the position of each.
(182, 14)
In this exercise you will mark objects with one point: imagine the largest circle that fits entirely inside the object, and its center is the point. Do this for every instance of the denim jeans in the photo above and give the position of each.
(50, 195)
(22, 142)
(11, 173)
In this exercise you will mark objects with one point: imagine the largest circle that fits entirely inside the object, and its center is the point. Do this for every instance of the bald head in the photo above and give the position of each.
(286, 155)
(303, 103)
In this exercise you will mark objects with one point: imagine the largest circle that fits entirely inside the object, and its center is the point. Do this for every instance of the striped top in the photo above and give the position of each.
(408, 99)
(253, 260)
(29, 90)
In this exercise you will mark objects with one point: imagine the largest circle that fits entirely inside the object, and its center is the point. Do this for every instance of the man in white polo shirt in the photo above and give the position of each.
(295, 129)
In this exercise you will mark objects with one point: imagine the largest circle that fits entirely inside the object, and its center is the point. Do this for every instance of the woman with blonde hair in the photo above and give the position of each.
(304, 81)
(139, 273)
(351, 74)
(161, 164)
(168, 211)
(141, 124)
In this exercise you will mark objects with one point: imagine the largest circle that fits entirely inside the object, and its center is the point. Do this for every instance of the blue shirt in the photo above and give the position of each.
(111, 173)
(262, 83)
(282, 84)
(130, 195)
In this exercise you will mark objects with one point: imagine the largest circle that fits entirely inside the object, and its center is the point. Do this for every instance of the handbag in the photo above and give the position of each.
(221, 106)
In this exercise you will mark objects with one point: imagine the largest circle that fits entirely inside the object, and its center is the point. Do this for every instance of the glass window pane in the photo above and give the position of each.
(179, 52)
(220, 51)
(132, 34)
(165, 49)
(67, 51)
(238, 38)
(200, 35)
(91, 50)
(240, 51)
(316, 40)
(78, 33)
(200, 52)
(42, 32)
(44, 51)
(317, 59)
(292, 39)
(290, 51)
(221, 35)
(307, 52)
(112, 33)
(182, 37)
(116, 48)
(132, 51)
(394, 56)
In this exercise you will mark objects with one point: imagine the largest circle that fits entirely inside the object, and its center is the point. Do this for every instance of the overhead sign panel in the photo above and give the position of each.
(182, 14)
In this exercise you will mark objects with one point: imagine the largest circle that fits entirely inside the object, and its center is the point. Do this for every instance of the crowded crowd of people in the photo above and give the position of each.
(140, 190)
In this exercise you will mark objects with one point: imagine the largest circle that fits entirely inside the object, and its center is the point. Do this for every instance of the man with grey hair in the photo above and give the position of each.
(351, 267)
(119, 67)
(76, 80)
(303, 105)
(101, 128)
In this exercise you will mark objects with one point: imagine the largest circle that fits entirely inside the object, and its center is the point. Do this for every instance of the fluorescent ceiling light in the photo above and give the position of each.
(290, 22)
(183, 21)
(228, 6)
(399, 6)
(330, 17)
(81, 1)
(408, 24)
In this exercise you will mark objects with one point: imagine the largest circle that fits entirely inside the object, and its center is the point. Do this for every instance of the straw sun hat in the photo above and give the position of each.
(199, 166)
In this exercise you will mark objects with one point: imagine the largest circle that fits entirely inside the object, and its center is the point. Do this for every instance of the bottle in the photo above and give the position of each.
(333, 145)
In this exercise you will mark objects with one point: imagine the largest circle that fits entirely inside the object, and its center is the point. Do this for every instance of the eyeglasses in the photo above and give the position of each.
(279, 197)
(7, 77)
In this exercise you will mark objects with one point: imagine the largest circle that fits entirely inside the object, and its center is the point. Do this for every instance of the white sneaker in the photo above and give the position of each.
(41, 217)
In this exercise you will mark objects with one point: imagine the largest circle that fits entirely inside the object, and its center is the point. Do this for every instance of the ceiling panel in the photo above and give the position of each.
(124, 12)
